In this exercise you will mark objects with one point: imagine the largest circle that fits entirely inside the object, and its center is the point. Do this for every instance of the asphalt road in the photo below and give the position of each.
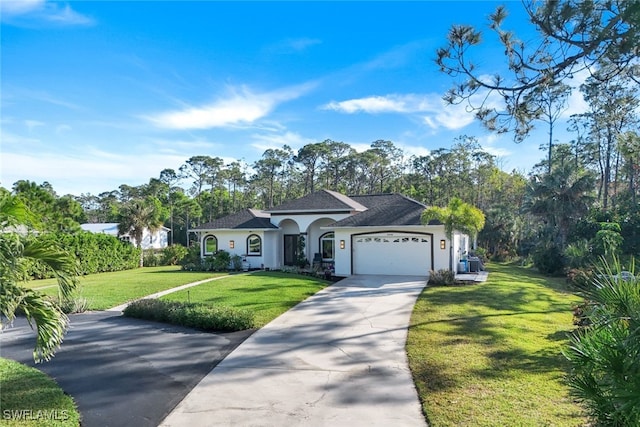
(121, 371)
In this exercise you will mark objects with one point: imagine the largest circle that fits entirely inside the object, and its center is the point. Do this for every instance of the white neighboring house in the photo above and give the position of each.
(157, 240)
(373, 234)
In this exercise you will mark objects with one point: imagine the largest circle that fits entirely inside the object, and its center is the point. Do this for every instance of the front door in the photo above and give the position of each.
(290, 249)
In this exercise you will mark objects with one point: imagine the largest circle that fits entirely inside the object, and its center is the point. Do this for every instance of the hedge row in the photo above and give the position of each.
(199, 316)
(96, 253)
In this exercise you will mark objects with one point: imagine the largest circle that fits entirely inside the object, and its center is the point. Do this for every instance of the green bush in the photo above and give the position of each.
(220, 261)
(95, 252)
(548, 259)
(199, 316)
(605, 352)
(174, 254)
(236, 262)
(192, 260)
(578, 254)
(442, 278)
(152, 258)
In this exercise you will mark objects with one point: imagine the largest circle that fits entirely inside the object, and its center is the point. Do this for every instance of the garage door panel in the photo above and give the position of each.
(392, 254)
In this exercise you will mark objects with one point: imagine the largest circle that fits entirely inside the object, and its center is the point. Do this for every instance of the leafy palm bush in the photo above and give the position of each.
(605, 355)
(578, 254)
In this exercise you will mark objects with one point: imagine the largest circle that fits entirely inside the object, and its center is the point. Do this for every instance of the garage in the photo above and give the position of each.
(392, 253)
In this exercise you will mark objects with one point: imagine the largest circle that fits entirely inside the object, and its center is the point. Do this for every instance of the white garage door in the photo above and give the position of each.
(392, 254)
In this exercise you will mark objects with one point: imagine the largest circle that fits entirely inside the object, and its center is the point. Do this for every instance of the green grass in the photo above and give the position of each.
(106, 290)
(29, 397)
(266, 294)
(490, 354)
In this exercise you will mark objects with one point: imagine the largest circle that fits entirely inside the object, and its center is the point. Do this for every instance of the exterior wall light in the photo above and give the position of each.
(341, 244)
(232, 244)
(443, 244)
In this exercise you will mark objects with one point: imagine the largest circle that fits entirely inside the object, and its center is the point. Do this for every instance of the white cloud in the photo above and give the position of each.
(29, 12)
(436, 112)
(241, 107)
(88, 170)
(32, 124)
(414, 150)
(449, 116)
(374, 104)
(19, 7)
(489, 143)
(576, 103)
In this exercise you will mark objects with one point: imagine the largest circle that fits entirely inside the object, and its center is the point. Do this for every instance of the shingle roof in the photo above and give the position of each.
(324, 200)
(246, 219)
(384, 210)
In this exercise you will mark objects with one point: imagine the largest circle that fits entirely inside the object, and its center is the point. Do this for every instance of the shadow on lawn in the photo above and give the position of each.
(525, 303)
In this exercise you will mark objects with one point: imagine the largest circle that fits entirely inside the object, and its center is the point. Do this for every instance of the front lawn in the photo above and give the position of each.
(29, 397)
(266, 294)
(490, 354)
(106, 290)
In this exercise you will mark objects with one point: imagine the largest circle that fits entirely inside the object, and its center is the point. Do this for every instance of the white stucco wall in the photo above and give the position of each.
(343, 257)
(267, 259)
(305, 220)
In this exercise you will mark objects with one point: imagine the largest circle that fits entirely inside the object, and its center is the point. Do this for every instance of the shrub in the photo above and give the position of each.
(192, 260)
(579, 277)
(236, 262)
(221, 261)
(199, 316)
(578, 254)
(152, 258)
(442, 278)
(604, 355)
(74, 305)
(174, 254)
(481, 253)
(548, 259)
(95, 252)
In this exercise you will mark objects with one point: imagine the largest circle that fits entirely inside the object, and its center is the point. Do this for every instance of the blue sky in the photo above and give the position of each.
(98, 94)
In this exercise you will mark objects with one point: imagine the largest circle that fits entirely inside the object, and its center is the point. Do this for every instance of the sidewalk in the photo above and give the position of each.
(121, 307)
(337, 358)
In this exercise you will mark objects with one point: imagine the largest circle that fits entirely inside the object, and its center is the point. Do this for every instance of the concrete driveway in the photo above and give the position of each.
(121, 371)
(337, 358)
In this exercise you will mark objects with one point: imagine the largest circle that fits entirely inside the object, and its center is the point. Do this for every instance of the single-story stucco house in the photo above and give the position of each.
(372, 234)
(156, 240)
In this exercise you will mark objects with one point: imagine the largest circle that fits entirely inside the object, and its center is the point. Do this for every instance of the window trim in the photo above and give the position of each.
(204, 244)
(259, 253)
(333, 241)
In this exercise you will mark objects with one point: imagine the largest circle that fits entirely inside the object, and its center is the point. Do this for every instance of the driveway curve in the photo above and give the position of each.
(338, 358)
(121, 371)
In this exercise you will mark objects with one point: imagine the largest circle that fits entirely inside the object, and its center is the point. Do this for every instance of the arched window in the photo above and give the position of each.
(254, 245)
(210, 245)
(327, 246)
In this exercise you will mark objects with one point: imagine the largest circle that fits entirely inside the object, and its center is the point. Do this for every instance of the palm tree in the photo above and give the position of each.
(605, 354)
(458, 215)
(15, 251)
(560, 198)
(137, 216)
